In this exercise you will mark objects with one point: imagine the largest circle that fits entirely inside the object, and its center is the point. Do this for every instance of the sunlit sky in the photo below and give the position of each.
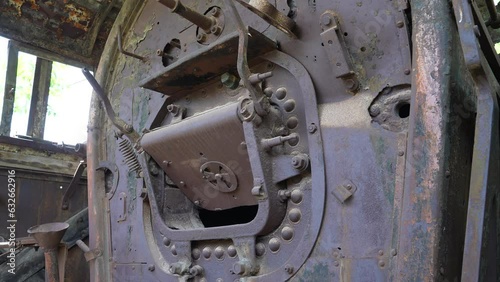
(67, 121)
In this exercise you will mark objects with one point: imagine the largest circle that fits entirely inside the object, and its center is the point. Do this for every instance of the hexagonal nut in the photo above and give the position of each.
(216, 30)
(230, 80)
(215, 12)
(300, 162)
(201, 37)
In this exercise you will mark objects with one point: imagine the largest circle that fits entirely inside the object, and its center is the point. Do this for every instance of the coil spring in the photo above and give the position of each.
(128, 153)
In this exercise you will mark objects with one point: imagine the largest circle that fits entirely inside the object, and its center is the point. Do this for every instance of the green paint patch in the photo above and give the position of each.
(318, 273)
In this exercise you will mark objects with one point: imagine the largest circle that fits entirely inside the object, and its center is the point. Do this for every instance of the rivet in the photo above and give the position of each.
(380, 253)
(196, 253)
(173, 250)
(274, 245)
(231, 251)
(296, 196)
(207, 252)
(287, 233)
(381, 263)
(401, 153)
(394, 252)
(166, 241)
(407, 71)
(268, 91)
(289, 105)
(292, 122)
(280, 93)
(260, 249)
(400, 24)
(151, 267)
(294, 215)
(219, 252)
(335, 255)
(447, 173)
(289, 269)
(336, 263)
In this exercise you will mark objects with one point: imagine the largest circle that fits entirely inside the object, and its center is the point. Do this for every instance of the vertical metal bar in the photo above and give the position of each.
(10, 90)
(39, 98)
(484, 186)
(428, 145)
(51, 266)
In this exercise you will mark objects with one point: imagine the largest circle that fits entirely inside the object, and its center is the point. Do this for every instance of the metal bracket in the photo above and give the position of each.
(345, 191)
(87, 252)
(73, 185)
(336, 49)
(123, 199)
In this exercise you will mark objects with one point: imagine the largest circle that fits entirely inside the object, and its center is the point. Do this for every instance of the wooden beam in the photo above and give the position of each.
(10, 89)
(39, 98)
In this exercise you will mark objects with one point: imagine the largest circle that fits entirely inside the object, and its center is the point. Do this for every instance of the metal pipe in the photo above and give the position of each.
(83, 246)
(51, 265)
(196, 18)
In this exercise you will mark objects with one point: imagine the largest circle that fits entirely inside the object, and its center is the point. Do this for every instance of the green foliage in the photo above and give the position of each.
(24, 82)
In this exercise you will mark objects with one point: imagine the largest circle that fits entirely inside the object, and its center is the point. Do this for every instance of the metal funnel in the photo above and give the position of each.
(48, 235)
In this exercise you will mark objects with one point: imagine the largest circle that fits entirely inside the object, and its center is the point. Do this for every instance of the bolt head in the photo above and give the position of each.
(312, 128)
(201, 37)
(216, 30)
(351, 84)
(215, 11)
(298, 162)
(326, 19)
(240, 268)
(229, 80)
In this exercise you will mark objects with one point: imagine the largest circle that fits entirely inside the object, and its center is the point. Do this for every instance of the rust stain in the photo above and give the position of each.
(17, 4)
(79, 17)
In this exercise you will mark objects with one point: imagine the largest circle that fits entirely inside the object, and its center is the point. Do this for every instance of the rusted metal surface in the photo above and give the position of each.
(349, 185)
(269, 13)
(206, 64)
(30, 262)
(421, 241)
(48, 237)
(37, 156)
(481, 253)
(75, 29)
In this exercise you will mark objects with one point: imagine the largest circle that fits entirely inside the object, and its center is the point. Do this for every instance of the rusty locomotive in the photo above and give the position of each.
(295, 140)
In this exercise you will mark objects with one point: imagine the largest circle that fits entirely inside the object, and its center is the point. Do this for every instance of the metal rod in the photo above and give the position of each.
(242, 61)
(120, 47)
(196, 18)
(116, 121)
(83, 246)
